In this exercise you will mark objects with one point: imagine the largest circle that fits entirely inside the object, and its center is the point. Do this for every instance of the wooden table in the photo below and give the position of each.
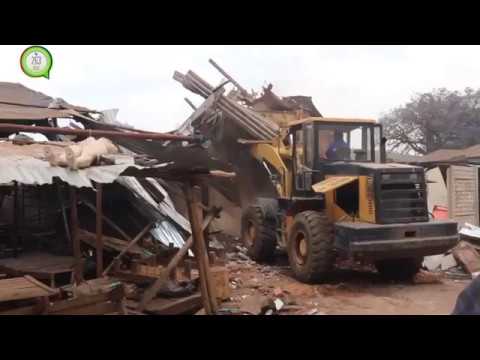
(40, 265)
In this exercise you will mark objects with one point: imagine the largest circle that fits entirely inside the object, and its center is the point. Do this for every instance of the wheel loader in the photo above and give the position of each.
(337, 196)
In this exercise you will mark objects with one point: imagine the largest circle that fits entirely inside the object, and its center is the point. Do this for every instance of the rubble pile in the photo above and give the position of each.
(461, 262)
(126, 249)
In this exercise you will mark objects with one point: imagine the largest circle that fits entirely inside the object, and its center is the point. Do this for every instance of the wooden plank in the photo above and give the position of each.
(206, 283)
(132, 243)
(77, 253)
(468, 257)
(111, 243)
(151, 292)
(102, 308)
(147, 270)
(65, 306)
(25, 310)
(22, 289)
(133, 277)
(189, 304)
(39, 265)
(36, 309)
(221, 281)
(99, 239)
(107, 220)
(41, 285)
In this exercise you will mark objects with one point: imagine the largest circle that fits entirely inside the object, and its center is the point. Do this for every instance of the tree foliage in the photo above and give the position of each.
(431, 121)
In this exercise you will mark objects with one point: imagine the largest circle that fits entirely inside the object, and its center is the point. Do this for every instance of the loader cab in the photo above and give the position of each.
(317, 142)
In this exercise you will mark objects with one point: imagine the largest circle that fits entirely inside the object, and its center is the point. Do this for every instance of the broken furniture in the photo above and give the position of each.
(24, 288)
(93, 297)
(42, 266)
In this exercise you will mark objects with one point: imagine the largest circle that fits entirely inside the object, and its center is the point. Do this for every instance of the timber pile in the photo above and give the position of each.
(174, 285)
(27, 296)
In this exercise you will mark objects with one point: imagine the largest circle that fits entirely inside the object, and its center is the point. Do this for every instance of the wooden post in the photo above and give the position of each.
(129, 246)
(152, 291)
(195, 215)
(15, 219)
(99, 243)
(108, 221)
(74, 236)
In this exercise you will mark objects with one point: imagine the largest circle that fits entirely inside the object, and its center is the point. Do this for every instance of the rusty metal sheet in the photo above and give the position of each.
(19, 112)
(18, 94)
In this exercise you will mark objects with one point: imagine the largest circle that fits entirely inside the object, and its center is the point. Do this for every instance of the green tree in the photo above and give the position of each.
(434, 120)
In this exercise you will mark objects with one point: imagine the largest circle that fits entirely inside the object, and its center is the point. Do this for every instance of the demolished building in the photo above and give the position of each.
(231, 120)
(61, 225)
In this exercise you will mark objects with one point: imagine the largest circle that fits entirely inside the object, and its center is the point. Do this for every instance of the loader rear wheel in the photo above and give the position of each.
(258, 234)
(311, 246)
(399, 269)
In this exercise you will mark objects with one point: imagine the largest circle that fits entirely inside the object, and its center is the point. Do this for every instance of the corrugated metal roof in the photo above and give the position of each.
(165, 208)
(18, 102)
(163, 231)
(18, 94)
(31, 171)
(403, 158)
(20, 112)
(449, 155)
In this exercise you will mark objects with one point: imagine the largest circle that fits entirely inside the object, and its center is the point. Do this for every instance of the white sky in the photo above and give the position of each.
(344, 81)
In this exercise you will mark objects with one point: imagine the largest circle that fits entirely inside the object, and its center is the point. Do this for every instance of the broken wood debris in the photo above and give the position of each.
(129, 246)
(468, 257)
(151, 292)
(113, 244)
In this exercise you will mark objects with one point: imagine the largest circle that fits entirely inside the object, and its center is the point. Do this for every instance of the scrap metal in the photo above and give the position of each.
(259, 128)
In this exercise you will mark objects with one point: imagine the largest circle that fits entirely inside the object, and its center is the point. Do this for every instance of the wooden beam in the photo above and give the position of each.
(111, 244)
(99, 242)
(107, 220)
(185, 305)
(130, 245)
(77, 253)
(183, 251)
(206, 282)
(96, 133)
(152, 291)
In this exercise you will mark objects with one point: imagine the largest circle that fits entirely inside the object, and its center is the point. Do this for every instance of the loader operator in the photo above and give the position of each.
(339, 149)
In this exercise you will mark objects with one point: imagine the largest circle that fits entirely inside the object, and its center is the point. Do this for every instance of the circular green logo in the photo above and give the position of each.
(36, 61)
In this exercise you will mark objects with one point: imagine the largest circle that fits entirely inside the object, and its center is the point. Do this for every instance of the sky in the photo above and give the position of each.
(344, 80)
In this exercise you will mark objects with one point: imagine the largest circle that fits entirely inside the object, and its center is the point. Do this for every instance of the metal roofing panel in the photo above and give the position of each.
(17, 94)
(163, 231)
(31, 171)
(20, 112)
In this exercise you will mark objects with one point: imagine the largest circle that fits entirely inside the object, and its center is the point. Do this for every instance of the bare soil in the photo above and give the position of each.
(352, 291)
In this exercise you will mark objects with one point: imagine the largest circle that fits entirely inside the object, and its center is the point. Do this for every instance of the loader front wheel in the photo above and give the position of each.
(399, 269)
(311, 246)
(258, 234)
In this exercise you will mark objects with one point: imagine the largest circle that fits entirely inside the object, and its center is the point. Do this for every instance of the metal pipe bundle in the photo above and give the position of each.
(258, 127)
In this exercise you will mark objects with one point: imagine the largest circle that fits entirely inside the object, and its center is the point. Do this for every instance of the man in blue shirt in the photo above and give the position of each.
(339, 149)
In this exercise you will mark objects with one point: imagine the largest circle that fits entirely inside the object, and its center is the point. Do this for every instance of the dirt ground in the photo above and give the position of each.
(349, 292)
